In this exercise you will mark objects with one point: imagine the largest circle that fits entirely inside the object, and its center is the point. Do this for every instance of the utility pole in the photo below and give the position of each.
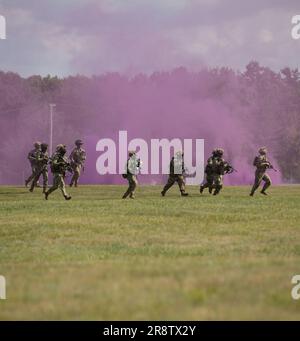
(52, 106)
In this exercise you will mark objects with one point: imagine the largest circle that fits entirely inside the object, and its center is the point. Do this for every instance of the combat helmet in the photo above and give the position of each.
(44, 146)
(220, 151)
(262, 150)
(78, 143)
(61, 148)
(37, 144)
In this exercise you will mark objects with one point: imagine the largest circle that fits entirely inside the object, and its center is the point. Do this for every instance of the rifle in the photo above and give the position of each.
(272, 167)
(61, 165)
(67, 170)
(230, 169)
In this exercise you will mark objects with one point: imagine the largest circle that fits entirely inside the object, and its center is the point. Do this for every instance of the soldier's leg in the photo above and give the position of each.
(257, 182)
(45, 180)
(218, 183)
(129, 179)
(207, 184)
(27, 181)
(30, 178)
(170, 183)
(133, 185)
(267, 183)
(54, 186)
(34, 170)
(76, 175)
(73, 176)
(35, 179)
(181, 184)
(62, 186)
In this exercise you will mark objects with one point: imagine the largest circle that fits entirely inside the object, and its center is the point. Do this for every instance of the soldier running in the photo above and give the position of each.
(216, 167)
(133, 166)
(32, 157)
(41, 168)
(262, 164)
(209, 179)
(176, 174)
(77, 159)
(59, 165)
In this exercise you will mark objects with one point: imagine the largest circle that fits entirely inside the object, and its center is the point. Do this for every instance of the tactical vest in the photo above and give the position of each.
(58, 168)
(78, 155)
(258, 162)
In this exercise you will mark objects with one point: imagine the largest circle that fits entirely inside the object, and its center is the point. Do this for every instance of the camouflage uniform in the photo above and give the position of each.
(132, 168)
(209, 179)
(177, 171)
(77, 158)
(215, 170)
(262, 164)
(32, 157)
(41, 168)
(59, 166)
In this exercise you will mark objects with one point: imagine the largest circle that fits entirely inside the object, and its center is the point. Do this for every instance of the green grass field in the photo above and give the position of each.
(103, 258)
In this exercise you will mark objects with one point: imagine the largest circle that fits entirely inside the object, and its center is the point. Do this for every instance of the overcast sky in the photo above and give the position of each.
(62, 37)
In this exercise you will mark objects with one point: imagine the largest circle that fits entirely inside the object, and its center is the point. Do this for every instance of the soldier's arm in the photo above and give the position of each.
(45, 158)
(71, 157)
(209, 161)
(31, 156)
(183, 169)
(256, 162)
(266, 164)
(83, 155)
(57, 161)
(37, 156)
(171, 168)
(229, 168)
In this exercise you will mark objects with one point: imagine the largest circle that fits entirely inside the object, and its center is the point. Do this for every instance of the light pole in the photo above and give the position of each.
(52, 106)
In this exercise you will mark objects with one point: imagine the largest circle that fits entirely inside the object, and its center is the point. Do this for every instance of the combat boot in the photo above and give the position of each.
(67, 197)
(263, 192)
(163, 193)
(46, 195)
(201, 189)
(184, 194)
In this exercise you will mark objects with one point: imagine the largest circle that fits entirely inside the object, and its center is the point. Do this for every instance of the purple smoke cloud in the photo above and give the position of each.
(226, 109)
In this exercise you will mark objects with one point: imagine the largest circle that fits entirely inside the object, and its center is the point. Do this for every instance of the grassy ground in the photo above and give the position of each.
(100, 257)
